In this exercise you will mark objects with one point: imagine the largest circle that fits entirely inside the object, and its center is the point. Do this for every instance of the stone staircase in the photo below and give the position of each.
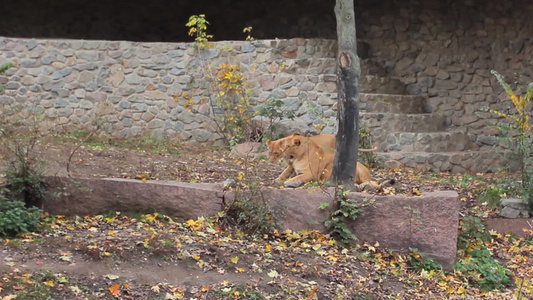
(408, 133)
(411, 136)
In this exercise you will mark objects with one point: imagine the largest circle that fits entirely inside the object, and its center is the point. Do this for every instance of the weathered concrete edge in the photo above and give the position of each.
(515, 226)
(428, 223)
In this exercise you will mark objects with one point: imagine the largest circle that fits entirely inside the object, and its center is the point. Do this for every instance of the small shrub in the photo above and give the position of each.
(519, 135)
(3, 69)
(475, 261)
(271, 109)
(483, 270)
(230, 91)
(20, 142)
(251, 214)
(491, 196)
(419, 262)
(346, 209)
(16, 218)
(249, 211)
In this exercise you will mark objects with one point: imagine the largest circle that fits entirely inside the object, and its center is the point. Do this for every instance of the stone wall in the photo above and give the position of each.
(440, 51)
(445, 50)
(144, 84)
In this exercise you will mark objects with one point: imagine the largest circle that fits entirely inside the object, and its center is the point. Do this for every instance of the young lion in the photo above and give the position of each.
(277, 148)
(311, 162)
(325, 141)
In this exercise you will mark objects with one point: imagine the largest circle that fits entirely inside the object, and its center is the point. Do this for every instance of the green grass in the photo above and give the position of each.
(143, 143)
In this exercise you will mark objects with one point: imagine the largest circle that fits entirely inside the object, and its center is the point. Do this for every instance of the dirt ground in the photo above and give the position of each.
(120, 256)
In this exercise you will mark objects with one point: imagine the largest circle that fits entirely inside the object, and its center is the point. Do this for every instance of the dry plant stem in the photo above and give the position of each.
(76, 149)
(203, 64)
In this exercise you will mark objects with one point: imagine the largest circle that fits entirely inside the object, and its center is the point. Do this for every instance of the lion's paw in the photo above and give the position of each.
(293, 184)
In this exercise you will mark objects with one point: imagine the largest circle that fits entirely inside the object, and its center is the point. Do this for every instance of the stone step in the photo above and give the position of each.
(443, 141)
(381, 85)
(393, 122)
(328, 66)
(408, 104)
(455, 162)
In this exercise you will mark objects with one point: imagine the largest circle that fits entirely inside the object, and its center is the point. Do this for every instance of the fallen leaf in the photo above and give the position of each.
(112, 277)
(273, 274)
(115, 289)
(49, 283)
(234, 259)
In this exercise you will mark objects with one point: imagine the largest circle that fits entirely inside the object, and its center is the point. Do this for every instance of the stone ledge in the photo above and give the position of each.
(428, 223)
(515, 226)
(86, 196)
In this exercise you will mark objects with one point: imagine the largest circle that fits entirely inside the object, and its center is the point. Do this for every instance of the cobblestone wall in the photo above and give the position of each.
(445, 50)
(442, 50)
(144, 83)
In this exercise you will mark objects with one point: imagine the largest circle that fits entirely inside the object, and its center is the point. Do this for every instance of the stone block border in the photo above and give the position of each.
(514, 226)
(428, 223)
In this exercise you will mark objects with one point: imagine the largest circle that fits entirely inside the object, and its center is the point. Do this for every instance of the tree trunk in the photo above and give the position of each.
(348, 73)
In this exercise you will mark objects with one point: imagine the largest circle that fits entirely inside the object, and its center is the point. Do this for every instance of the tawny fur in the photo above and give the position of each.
(311, 158)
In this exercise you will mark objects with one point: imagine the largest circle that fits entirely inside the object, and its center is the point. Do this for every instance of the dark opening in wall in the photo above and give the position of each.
(164, 20)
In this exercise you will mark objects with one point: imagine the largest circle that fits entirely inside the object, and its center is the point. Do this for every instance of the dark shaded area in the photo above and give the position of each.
(164, 21)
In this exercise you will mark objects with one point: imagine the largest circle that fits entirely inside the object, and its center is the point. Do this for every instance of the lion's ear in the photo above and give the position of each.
(297, 142)
(297, 133)
(269, 142)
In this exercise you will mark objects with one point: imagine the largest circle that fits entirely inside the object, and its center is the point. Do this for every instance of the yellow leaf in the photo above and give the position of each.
(49, 283)
(268, 248)
(204, 288)
(240, 270)
(241, 176)
(234, 259)
(155, 289)
(460, 290)
(191, 222)
(332, 258)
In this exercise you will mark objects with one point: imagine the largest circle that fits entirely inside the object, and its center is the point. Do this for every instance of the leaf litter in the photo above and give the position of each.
(151, 256)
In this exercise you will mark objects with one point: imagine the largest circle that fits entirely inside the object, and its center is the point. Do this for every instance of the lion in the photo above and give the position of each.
(311, 162)
(325, 142)
(277, 148)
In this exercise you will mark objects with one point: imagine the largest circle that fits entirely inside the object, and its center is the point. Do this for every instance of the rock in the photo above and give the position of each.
(86, 104)
(514, 208)
(513, 203)
(510, 213)
(116, 75)
(293, 184)
(515, 226)
(61, 73)
(249, 149)
(201, 135)
(430, 224)
(94, 196)
(247, 47)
